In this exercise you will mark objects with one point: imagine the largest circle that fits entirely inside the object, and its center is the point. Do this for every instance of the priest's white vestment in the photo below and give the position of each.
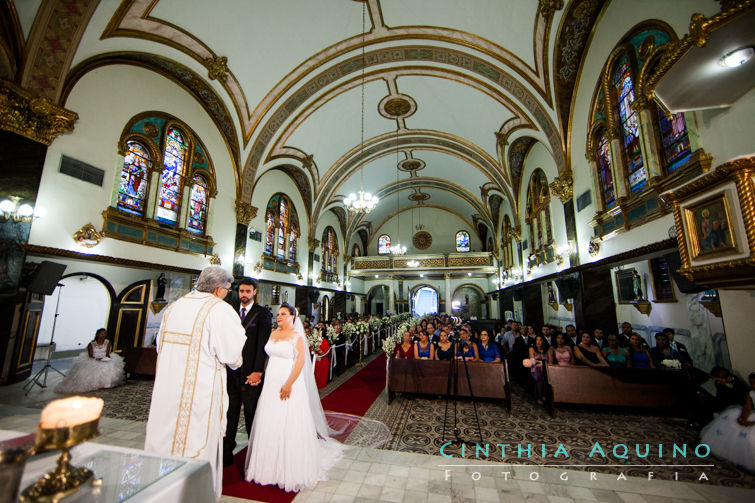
(199, 335)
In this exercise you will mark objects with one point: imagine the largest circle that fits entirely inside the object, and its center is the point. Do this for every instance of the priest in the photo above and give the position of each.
(199, 335)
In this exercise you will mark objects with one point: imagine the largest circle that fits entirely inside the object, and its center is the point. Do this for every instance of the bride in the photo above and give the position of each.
(290, 443)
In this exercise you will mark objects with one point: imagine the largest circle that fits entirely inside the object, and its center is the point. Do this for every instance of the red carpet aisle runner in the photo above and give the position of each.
(355, 396)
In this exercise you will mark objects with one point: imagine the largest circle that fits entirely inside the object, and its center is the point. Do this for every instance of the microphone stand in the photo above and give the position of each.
(35, 380)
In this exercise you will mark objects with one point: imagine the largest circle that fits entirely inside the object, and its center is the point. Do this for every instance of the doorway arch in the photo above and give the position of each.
(325, 309)
(424, 299)
(469, 301)
(378, 300)
(85, 302)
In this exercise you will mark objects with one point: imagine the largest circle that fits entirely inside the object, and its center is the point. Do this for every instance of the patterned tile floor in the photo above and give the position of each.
(382, 475)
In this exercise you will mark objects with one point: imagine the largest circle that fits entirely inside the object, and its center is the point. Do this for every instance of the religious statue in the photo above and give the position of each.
(161, 282)
(551, 294)
(637, 285)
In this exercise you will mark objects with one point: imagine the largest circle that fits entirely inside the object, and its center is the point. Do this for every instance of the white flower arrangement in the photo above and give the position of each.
(331, 334)
(348, 330)
(362, 327)
(671, 363)
(374, 323)
(314, 339)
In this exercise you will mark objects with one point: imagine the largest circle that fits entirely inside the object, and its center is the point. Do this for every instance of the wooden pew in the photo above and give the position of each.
(141, 361)
(430, 377)
(627, 387)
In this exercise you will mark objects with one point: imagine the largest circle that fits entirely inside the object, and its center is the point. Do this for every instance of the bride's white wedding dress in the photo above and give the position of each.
(284, 447)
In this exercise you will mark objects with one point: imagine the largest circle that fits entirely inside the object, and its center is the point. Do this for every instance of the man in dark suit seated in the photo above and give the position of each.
(598, 339)
(680, 348)
(245, 383)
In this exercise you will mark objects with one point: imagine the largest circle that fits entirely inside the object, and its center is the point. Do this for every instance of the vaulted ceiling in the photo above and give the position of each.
(418, 101)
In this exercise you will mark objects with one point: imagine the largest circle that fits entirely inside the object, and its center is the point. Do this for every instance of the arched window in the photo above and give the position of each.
(174, 161)
(506, 242)
(281, 229)
(329, 251)
(629, 120)
(132, 192)
(674, 140)
(605, 177)
(198, 199)
(538, 215)
(462, 241)
(384, 244)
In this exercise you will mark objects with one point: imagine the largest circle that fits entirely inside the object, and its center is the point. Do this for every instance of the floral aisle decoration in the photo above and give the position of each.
(314, 339)
(331, 335)
(348, 331)
(375, 323)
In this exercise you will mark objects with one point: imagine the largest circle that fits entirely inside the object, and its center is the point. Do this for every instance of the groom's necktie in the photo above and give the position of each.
(243, 312)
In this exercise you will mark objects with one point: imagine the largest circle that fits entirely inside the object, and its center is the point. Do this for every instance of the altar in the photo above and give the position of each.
(127, 474)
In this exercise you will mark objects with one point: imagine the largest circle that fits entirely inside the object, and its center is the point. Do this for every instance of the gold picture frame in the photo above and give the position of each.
(709, 226)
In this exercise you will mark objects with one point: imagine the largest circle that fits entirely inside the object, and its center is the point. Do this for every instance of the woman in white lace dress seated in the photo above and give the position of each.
(96, 369)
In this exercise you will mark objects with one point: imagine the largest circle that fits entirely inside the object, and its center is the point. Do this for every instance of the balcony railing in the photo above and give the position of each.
(447, 261)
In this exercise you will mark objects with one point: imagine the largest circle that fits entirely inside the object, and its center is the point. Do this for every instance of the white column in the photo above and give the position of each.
(448, 293)
(391, 302)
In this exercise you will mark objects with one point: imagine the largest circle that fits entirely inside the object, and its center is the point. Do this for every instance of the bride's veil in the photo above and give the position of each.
(346, 428)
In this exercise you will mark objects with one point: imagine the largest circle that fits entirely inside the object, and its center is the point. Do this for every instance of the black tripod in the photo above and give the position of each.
(453, 382)
(35, 380)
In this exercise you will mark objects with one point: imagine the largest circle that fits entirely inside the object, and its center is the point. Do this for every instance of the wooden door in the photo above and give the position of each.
(128, 316)
(27, 336)
(532, 305)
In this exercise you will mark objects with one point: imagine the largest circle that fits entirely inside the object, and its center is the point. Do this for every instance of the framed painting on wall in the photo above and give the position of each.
(628, 288)
(710, 227)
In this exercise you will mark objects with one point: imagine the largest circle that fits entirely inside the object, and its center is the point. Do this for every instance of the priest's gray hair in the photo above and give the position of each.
(213, 277)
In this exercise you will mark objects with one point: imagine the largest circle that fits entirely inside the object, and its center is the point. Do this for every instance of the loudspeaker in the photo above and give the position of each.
(674, 261)
(567, 287)
(46, 277)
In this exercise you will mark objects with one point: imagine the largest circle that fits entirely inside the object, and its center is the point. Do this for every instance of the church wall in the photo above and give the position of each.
(737, 306)
(441, 225)
(329, 219)
(727, 133)
(539, 157)
(105, 100)
(270, 183)
(560, 316)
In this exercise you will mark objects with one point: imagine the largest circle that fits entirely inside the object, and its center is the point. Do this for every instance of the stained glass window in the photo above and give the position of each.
(604, 171)
(133, 185)
(384, 244)
(169, 195)
(630, 125)
(538, 214)
(281, 229)
(462, 241)
(198, 206)
(329, 250)
(283, 224)
(674, 140)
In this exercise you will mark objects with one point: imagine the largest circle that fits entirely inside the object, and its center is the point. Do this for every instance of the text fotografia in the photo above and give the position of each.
(618, 451)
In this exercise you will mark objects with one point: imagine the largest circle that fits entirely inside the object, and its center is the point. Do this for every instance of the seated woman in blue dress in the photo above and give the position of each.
(487, 350)
(467, 350)
(444, 350)
(424, 349)
(615, 355)
(638, 356)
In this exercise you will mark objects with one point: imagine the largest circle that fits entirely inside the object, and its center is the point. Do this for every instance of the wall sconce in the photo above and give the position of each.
(18, 213)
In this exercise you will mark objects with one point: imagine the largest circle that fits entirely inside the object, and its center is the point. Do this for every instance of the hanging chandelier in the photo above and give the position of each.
(363, 202)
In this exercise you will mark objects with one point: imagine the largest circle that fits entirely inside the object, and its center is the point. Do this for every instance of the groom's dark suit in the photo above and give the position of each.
(258, 325)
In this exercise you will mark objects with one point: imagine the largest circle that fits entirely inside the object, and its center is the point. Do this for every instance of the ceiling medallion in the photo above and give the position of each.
(419, 196)
(422, 240)
(411, 165)
(397, 106)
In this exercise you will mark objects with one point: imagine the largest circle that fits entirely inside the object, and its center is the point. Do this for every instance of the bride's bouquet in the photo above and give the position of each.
(314, 339)
(670, 363)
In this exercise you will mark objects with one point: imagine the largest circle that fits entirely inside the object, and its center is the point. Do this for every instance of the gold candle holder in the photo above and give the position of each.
(65, 479)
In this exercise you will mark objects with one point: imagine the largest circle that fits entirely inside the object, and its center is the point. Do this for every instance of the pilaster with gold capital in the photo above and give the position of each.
(33, 117)
(245, 212)
(313, 243)
(563, 187)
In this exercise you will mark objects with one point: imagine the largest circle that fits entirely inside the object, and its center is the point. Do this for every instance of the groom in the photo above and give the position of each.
(257, 324)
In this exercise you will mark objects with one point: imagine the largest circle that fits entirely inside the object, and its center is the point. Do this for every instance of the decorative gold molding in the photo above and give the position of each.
(548, 7)
(33, 117)
(643, 306)
(217, 68)
(245, 212)
(215, 259)
(563, 187)
(313, 243)
(87, 236)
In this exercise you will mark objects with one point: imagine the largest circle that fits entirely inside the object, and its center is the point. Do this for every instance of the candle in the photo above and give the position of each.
(72, 411)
